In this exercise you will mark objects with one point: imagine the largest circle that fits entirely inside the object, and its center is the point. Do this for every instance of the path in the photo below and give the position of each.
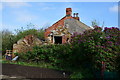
(30, 72)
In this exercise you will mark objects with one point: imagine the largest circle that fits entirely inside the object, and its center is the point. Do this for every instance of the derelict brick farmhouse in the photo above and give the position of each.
(61, 31)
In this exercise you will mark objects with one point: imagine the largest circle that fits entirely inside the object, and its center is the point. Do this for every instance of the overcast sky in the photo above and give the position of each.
(19, 14)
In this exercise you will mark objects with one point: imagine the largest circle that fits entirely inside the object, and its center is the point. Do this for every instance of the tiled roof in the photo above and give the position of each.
(74, 25)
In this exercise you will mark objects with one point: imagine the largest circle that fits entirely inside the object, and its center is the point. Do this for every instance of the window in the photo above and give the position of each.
(58, 39)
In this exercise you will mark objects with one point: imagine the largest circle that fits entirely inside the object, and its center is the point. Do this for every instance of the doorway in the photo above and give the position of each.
(58, 39)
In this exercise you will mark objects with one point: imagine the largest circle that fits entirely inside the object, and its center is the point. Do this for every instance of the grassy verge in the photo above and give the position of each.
(41, 64)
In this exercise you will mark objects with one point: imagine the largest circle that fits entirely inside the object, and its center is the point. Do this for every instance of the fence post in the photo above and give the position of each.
(102, 70)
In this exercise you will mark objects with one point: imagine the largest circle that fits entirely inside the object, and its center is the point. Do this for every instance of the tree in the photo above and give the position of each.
(7, 40)
(95, 23)
(20, 33)
(37, 33)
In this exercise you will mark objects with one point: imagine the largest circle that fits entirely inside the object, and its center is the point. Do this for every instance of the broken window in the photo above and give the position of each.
(58, 39)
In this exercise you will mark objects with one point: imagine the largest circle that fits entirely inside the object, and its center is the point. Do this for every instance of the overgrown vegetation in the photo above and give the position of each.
(84, 55)
(8, 38)
(42, 64)
(35, 32)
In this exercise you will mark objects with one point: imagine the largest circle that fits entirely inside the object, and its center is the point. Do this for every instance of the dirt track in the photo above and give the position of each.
(31, 72)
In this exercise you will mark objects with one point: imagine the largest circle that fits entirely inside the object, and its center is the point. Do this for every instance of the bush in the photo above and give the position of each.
(118, 64)
(82, 74)
(54, 54)
(95, 46)
(84, 54)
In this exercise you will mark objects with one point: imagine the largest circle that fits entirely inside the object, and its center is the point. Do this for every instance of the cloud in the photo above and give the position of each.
(17, 4)
(114, 8)
(68, 4)
(24, 16)
(48, 8)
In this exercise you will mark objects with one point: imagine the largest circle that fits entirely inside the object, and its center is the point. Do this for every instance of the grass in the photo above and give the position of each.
(33, 64)
(41, 64)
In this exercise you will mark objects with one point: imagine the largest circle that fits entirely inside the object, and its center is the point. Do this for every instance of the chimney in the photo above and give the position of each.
(68, 12)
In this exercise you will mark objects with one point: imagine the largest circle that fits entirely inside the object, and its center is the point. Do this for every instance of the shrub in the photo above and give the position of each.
(95, 46)
(54, 54)
(84, 54)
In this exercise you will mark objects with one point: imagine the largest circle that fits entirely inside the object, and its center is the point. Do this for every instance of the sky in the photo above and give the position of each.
(43, 14)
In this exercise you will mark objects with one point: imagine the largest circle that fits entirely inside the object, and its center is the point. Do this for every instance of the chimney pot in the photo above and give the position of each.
(76, 14)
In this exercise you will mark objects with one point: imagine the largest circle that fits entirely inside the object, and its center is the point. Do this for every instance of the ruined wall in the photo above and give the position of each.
(26, 44)
(55, 25)
(60, 23)
(59, 31)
